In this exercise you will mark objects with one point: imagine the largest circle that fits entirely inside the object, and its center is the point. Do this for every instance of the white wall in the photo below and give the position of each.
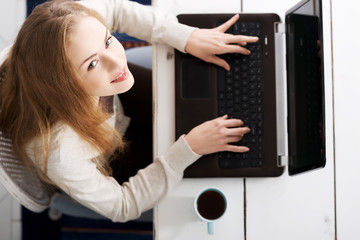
(12, 15)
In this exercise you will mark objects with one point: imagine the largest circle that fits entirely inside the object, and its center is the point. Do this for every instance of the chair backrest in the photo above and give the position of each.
(24, 185)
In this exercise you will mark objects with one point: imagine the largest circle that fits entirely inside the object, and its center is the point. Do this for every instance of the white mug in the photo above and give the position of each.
(210, 205)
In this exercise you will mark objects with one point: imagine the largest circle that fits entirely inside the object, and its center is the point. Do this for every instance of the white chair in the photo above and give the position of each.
(21, 183)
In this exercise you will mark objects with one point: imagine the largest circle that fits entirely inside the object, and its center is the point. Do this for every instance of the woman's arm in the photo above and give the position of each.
(141, 21)
(152, 25)
(71, 168)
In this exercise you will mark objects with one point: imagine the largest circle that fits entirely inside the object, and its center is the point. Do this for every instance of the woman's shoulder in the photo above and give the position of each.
(71, 146)
(66, 146)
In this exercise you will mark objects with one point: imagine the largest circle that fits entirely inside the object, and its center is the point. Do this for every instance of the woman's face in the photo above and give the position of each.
(99, 58)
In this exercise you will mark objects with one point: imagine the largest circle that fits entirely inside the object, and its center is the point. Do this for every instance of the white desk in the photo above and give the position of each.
(283, 208)
(346, 69)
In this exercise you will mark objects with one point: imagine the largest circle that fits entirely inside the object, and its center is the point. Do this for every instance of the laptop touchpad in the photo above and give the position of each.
(195, 79)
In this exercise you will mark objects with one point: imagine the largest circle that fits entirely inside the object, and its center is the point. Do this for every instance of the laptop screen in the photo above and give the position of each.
(305, 80)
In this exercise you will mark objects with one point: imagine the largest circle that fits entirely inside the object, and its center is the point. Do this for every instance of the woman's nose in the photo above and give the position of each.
(111, 60)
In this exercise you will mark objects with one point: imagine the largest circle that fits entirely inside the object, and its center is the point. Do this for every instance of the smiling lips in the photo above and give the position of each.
(123, 75)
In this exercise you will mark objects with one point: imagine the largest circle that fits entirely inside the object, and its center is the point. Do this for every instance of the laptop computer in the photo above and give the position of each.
(284, 111)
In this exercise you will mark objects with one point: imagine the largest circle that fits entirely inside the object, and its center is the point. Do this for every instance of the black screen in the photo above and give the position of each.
(305, 81)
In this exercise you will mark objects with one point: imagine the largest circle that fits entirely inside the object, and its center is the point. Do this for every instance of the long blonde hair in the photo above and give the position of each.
(40, 86)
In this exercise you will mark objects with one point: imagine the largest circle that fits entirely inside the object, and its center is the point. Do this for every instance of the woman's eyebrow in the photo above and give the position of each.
(93, 55)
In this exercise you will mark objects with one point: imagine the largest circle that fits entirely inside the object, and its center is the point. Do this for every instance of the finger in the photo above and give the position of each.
(233, 123)
(220, 62)
(235, 148)
(219, 119)
(233, 139)
(241, 39)
(236, 49)
(240, 131)
(223, 117)
(225, 26)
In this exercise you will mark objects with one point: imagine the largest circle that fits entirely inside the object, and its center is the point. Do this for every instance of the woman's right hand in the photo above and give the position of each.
(215, 135)
(207, 44)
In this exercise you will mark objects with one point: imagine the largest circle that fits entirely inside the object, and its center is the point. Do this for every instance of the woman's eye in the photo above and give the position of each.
(92, 65)
(108, 42)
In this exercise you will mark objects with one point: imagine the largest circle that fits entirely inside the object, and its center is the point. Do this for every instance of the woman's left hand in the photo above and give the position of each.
(207, 43)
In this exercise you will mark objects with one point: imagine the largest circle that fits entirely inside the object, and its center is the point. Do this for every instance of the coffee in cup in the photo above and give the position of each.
(210, 205)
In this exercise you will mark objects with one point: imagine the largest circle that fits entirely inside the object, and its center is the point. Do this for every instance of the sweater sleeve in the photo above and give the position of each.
(141, 21)
(72, 169)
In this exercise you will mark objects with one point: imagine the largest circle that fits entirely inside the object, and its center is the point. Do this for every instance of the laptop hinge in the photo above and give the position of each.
(283, 161)
(281, 91)
(280, 27)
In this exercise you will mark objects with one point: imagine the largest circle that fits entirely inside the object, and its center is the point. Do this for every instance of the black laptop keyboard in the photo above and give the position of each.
(240, 96)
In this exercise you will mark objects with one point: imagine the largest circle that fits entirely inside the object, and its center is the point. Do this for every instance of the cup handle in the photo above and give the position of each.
(210, 227)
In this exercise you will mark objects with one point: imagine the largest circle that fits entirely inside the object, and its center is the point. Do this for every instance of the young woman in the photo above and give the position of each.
(56, 78)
